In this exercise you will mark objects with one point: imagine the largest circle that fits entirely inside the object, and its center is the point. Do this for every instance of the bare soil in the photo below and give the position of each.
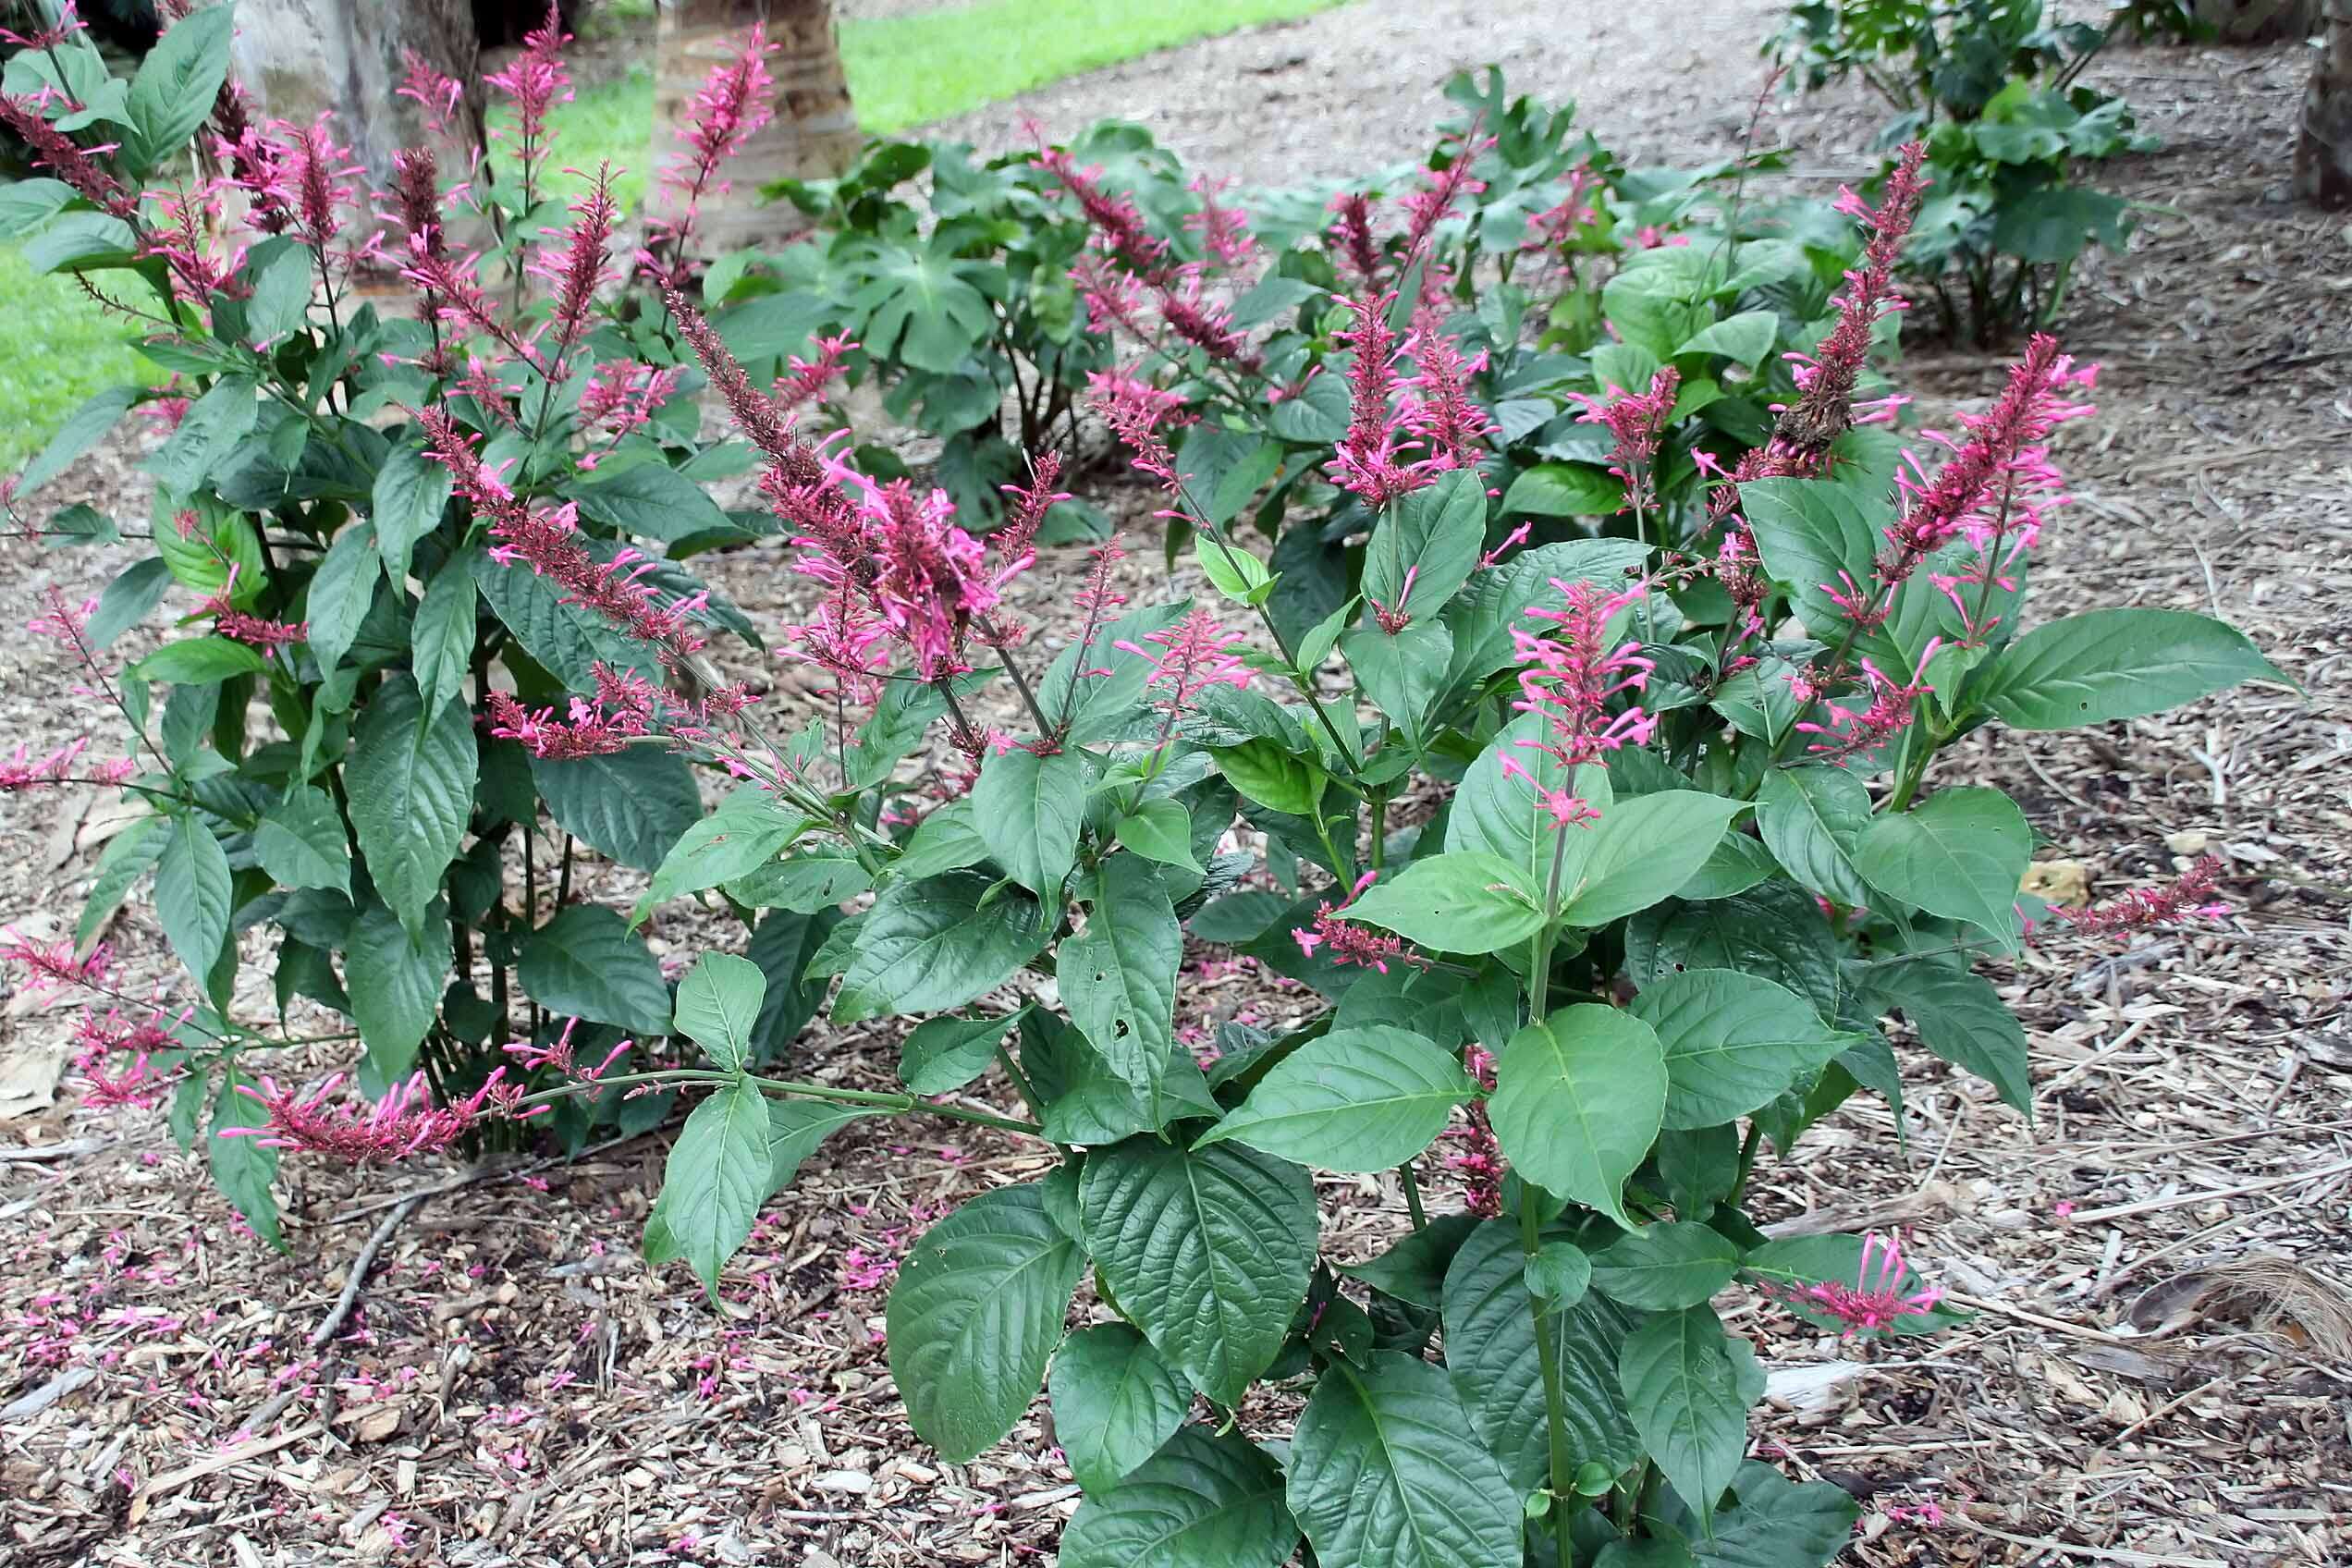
(2161, 1365)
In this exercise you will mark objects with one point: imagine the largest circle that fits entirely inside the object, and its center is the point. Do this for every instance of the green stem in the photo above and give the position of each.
(1749, 1145)
(786, 1088)
(1028, 698)
(1412, 1195)
(1555, 1407)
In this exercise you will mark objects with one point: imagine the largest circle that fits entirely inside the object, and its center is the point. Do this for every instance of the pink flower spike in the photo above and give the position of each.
(1570, 678)
(2189, 897)
(1875, 1301)
(1194, 658)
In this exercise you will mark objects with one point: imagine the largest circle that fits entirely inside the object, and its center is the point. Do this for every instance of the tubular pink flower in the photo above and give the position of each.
(735, 102)
(404, 1122)
(1366, 459)
(1136, 409)
(807, 379)
(1120, 231)
(1025, 511)
(63, 623)
(1427, 208)
(549, 541)
(64, 157)
(622, 396)
(1202, 322)
(590, 731)
(2187, 897)
(1448, 423)
(1223, 231)
(1826, 379)
(1352, 229)
(756, 415)
(1876, 1300)
(581, 267)
(534, 82)
(54, 966)
(184, 241)
(23, 771)
(1192, 659)
(1637, 420)
(1351, 944)
(1997, 482)
(1851, 732)
(1569, 677)
(436, 93)
(313, 181)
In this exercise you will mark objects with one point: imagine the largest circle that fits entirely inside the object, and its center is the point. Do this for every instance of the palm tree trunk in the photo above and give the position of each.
(303, 57)
(814, 134)
(2323, 145)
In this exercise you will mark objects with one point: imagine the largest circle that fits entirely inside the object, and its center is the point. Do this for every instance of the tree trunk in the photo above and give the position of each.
(300, 59)
(2323, 147)
(814, 134)
(2258, 21)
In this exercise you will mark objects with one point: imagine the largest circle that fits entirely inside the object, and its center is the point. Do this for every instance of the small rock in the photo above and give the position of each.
(2191, 842)
(851, 1481)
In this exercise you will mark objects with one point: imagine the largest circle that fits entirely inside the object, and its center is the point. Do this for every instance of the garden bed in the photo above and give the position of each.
(514, 1386)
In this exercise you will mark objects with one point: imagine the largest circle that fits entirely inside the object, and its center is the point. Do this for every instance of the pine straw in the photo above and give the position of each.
(2156, 1372)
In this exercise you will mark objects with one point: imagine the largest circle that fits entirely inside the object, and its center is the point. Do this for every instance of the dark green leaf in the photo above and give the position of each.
(1203, 1501)
(632, 805)
(1578, 1100)
(1115, 1401)
(1119, 972)
(341, 591)
(128, 600)
(1463, 901)
(586, 963)
(748, 829)
(1812, 534)
(300, 842)
(1356, 1099)
(1402, 673)
(1564, 490)
(650, 500)
(1385, 1473)
(975, 1312)
(192, 894)
(1160, 831)
(933, 945)
(215, 423)
(396, 987)
(1961, 855)
(795, 1128)
(1414, 1270)
(196, 661)
(2113, 664)
(1665, 1267)
(1734, 1042)
(173, 93)
(82, 430)
(411, 782)
(243, 1166)
(944, 1054)
(803, 883)
(1028, 809)
(1433, 535)
(1207, 1252)
(717, 1175)
(1961, 1019)
(717, 1003)
(1779, 1524)
(1558, 1274)
(442, 653)
(1682, 1386)
(1813, 818)
(1774, 930)
(409, 492)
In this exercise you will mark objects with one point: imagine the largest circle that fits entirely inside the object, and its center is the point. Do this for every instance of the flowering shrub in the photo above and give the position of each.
(1991, 86)
(1604, 859)
(381, 690)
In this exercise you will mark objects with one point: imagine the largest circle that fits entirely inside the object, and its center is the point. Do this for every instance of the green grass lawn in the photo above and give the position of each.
(56, 348)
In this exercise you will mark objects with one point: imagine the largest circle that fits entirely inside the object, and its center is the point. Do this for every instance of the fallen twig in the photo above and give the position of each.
(47, 1393)
(360, 1265)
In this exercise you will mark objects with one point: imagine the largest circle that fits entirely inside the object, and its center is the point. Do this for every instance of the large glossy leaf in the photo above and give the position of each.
(1205, 1501)
(1119, 973)
(1029, 812)
(1640, 851)
(1774, 930)
(443, 635)
(1356, 1099)
(342, 589)
(192, 894)
(1413, 1269)
(1813, 819)
(241, 1166)
(299, 842)
(1961, 1019)
(921, 306)
(795, 1128)
(632, 805)
(586, 963)
(406, 503)
(1207, 1252)
(176, 85)
(1960, 854)
(567, 641)
(394, 980)
(1432, 538)
(1811, 531)
(1734, 1042)
(1386, 1474)
(82, 430)
(1665, 1267)
(1498, 812)
(1778, 1524)
(750, 828)
(1491, 1356)
(783, 946)
(1115, 1401)
(944, 1054)
(1578, 1100)
(717, 1175)
(410, 785)
(1462, 902)
(1685, 1389)
(976, 1311)
(717, 1004)
(1402, 672)
(650, 500)
(1498, 598)
(934, 944)
(2111, 664)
